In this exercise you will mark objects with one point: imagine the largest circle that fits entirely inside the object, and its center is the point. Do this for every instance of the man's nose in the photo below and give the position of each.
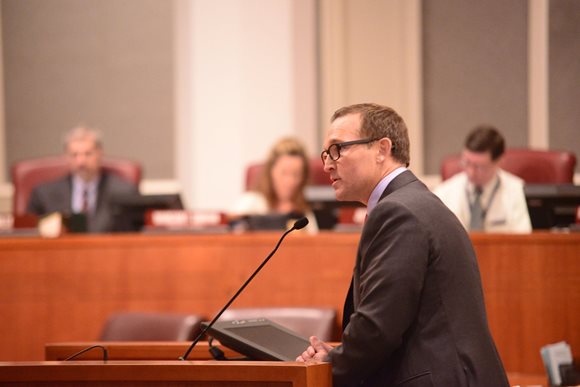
(328, 164)
(81, 159)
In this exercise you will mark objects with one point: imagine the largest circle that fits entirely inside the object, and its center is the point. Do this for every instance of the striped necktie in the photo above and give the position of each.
(476, 221)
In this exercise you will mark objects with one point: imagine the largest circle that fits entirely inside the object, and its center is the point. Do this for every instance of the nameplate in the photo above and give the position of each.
(185, 219)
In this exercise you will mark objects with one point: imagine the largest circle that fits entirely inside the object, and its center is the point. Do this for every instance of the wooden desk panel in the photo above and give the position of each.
(166, 373)
(134, 350)
(62, 290)
(532, 293)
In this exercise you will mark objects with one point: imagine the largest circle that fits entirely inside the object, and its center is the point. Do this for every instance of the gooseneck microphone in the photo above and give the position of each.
(300, 223)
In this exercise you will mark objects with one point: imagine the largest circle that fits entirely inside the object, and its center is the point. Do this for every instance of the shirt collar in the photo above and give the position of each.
(485, 189)
(380, 188)
(81, 184)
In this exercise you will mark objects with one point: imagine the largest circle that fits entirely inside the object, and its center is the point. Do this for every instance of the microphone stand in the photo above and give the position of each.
(300, 223)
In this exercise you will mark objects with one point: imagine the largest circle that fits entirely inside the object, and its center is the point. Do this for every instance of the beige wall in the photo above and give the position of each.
(448, 65)
(245, 77)
(371, 52)
(196, 89)
(475, 71)
(564, 75)
(105, 63)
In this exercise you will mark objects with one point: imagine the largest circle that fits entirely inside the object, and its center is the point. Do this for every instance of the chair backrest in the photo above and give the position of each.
(321, 322)
(533, 166)
(27, 174)
(136, 326)
(317, 174)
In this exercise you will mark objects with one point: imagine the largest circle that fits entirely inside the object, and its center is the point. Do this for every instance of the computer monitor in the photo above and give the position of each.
(325, 206)
(259, 339)
(552, 205)
(129, 209)
(266, 222)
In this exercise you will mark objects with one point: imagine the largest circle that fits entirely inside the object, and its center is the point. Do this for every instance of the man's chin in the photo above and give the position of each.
(341, 195)
(85, 176)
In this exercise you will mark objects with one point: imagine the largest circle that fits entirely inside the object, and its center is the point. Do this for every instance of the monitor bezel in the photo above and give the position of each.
(222, 331)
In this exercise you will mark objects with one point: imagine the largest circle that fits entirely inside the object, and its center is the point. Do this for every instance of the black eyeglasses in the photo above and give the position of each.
(333, 151)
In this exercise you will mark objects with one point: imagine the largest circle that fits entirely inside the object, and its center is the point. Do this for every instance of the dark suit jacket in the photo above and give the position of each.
(56, 196)
(418, 316)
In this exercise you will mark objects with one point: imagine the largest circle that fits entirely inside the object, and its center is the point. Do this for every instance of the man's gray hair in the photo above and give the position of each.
(82, 133)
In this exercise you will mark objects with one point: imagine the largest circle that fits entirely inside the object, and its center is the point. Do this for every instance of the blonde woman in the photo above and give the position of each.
(280, 189)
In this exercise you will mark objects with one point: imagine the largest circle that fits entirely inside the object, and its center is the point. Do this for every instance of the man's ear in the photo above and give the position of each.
(384, 150)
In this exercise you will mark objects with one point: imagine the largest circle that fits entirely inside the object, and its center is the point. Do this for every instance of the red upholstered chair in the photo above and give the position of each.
(136, 326)
(321, 322)
(533, 166)
(317, 174)
(27, 174)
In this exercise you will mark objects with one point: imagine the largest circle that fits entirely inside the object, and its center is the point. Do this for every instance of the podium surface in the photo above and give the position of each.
(166, 373)
(134, 350)
(129, 351)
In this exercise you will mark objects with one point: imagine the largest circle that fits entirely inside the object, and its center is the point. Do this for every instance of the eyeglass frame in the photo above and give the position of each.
(464, 164)
(340, 145)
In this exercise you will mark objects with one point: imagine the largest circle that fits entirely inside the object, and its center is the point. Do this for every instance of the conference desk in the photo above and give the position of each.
(62, 290)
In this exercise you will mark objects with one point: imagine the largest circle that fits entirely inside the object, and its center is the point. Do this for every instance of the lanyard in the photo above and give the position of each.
(489, 202)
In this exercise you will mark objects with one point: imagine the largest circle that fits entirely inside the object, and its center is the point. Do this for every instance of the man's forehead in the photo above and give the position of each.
(479, 156)
(81, 144)
(344, 128)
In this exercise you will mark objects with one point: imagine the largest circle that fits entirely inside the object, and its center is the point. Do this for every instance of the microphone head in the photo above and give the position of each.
(300, 223)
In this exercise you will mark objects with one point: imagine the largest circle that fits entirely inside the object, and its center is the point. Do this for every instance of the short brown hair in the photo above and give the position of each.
(379, 121)
(486, 138)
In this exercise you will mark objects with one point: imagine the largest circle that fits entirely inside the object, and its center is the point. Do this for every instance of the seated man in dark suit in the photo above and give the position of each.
(87, 189)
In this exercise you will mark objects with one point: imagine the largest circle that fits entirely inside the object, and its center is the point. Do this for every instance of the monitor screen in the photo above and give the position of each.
(259, 339)
(552, 205)
(326, 209)
(267, 221)
(129, 209)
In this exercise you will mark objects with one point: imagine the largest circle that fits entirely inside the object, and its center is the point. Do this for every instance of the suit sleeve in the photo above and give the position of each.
(393, 258)
(35, 205)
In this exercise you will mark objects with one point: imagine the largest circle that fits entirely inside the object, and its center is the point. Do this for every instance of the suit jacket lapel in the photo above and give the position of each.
(68, 194)
(400, 181)
(101, 190)
(348, 308)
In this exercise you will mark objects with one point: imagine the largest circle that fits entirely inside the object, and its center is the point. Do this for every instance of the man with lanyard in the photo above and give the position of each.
(484, 197)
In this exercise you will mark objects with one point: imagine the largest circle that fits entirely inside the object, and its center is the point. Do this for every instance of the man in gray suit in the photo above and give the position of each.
(415, 314)
(87, 189)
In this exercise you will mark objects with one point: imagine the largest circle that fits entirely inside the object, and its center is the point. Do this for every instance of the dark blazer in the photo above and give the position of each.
(418, 316)
(56, 196)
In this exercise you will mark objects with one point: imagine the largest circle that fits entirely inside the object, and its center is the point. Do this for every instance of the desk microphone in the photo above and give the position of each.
(299, 224)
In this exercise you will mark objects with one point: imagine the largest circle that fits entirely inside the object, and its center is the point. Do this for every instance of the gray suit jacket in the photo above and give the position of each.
(55, 196)
(418, 316)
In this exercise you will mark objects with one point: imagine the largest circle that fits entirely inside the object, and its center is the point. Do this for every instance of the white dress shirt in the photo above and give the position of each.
(506, 211)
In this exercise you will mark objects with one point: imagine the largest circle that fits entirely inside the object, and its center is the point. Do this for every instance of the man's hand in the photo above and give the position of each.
(317, 351)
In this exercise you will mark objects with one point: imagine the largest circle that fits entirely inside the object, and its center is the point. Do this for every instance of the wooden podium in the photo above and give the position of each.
(166, 373)
(159, 351)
